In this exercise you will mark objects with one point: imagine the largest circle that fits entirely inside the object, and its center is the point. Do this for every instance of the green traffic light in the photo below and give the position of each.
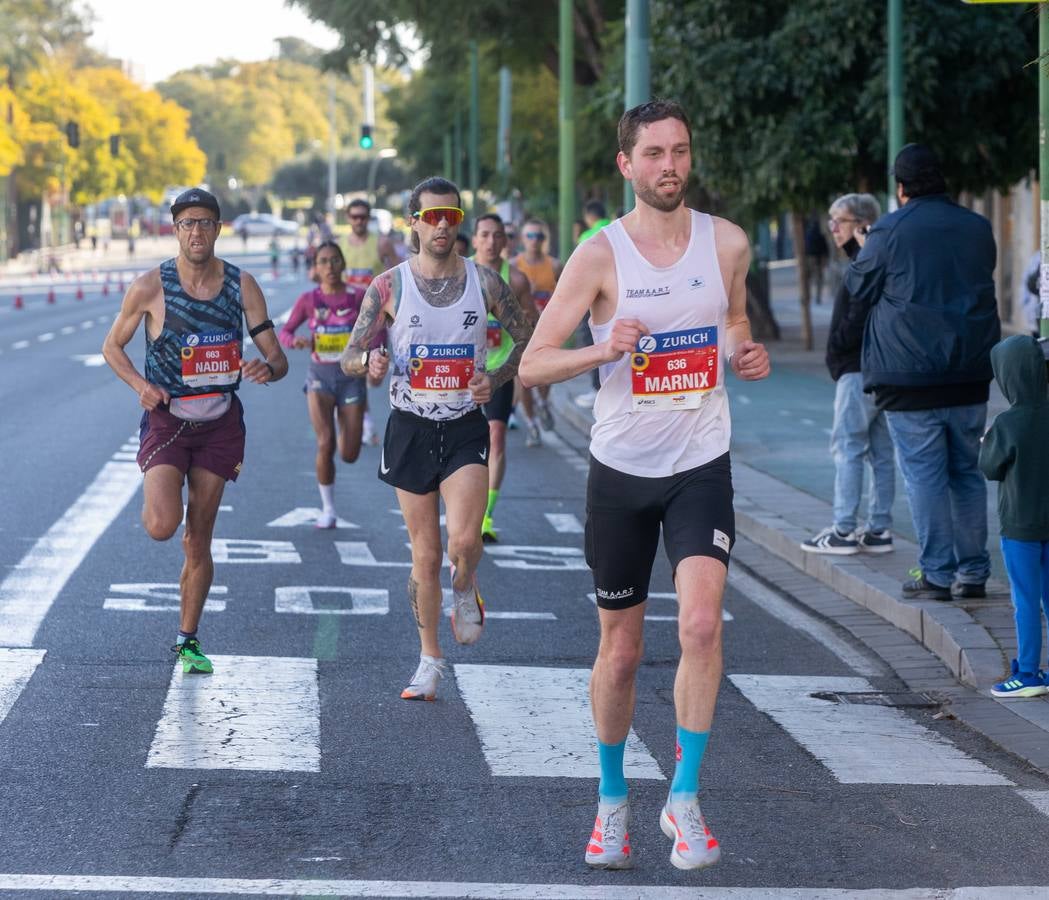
(366, 137)
(366, 143)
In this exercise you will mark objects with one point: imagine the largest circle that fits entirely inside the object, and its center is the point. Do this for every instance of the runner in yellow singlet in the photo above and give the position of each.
(542, 270)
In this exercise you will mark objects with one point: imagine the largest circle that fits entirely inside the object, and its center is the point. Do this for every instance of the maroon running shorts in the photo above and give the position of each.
(217, 446)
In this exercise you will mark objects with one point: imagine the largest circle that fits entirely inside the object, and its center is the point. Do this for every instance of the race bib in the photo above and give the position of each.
(210, 358)
(329, 341)
(674, 369)
(440, 373)
(494, 333)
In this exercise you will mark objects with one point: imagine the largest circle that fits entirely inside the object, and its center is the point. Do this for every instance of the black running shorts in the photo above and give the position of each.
(624, 514)
(498, 409)
(418, 454)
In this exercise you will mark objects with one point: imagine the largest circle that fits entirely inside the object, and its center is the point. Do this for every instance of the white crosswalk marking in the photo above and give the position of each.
(254, 712)
(859, 743)
(536, 721)
(564, 523)
(16, 668)
(306, 515)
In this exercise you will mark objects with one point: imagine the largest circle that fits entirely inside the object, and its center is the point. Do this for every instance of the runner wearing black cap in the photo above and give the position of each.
(192, 430)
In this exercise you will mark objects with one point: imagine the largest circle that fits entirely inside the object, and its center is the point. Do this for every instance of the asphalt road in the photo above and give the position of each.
(296, 771)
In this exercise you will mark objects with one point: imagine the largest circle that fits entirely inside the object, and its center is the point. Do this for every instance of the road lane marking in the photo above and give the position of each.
(1038, 799)
(91, 360)
(859, 660)
(460, 890)
(521, 556)
(305, 515)
(67, 329)
(564, 523)
(29, 590)
(154, 597)
(536, 721)
(19, 345)
(255, 712)
(45, 337)
(357, 601)
(858, 743)
(16, 668)
(358, 553)
(236, 550)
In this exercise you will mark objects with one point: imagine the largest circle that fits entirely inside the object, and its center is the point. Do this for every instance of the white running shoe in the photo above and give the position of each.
(694, 846)
(533, 438)
(467, 612)
(609, 846)
(423, 685)
(326, 519)
(369, 437)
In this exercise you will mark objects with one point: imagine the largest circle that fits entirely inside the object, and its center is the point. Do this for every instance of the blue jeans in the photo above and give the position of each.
(860, 433)
(1027, 563)
(937, 450)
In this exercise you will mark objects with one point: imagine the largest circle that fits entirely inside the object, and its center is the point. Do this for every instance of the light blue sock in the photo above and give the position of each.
(612, 787)
(690, 748)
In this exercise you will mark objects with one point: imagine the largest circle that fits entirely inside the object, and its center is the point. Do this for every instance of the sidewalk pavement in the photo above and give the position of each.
(972, 640)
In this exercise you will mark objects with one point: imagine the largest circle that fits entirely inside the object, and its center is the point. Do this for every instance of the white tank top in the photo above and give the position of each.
(437, 349)
(663, 409)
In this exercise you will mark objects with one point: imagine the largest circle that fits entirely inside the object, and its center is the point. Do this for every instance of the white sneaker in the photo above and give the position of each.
(423, 685)
(534, 438)
(609, 846)
(586, 400)
(694, 846)
(326, 519)
(467, 612)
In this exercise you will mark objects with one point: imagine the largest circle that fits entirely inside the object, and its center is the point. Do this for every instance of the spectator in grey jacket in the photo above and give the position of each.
(860, 433)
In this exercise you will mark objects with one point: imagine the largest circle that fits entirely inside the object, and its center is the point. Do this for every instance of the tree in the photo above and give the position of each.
(526, 32)
(789, 100)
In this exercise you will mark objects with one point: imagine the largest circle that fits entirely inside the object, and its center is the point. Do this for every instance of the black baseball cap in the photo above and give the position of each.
(195, 197)
(916, 162)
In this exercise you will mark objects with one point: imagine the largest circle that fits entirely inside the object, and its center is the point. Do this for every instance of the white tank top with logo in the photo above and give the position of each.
(663, 408)
(437, 349)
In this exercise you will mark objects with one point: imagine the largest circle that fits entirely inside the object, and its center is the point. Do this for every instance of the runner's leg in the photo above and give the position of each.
(422, 516)
(205, 495)
(162, 501)
(464, 493)
(351, 428)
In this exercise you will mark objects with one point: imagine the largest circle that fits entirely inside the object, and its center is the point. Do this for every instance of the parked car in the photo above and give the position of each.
(255, 224)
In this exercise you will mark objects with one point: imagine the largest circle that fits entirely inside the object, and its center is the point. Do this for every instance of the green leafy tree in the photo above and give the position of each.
(789, 100)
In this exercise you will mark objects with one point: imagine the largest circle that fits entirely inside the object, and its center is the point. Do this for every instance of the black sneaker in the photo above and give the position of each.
(875, 541)
(830, 540)
(960, 590)
(920, 589)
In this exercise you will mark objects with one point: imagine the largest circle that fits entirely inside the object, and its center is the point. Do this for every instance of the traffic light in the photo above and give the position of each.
(366, 141)
(114, 145)
(73, 134)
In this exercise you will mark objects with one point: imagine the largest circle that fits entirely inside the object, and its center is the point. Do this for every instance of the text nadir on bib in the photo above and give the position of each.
(440, 373)
(210, 358)
(674, 369)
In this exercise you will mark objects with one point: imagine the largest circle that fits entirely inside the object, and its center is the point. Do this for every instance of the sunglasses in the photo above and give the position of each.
(434, 215)
(534, 235)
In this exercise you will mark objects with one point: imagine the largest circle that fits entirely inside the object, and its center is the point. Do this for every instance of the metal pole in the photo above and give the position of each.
(502, 147)
(566, 129)
(638, 73)
(895, 70)
(369, 94)
(1043, 161)
(475, 127)
(447, 168)
(331, 143)
(457, 143)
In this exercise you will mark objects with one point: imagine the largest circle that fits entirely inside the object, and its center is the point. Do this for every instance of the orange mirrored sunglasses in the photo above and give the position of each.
(433, 215)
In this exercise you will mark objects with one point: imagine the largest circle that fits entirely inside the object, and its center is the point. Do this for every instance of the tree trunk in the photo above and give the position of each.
(797, 230)
(763, 324)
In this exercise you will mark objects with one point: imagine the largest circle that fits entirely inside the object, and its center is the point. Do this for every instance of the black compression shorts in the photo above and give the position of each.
(624, 514)
(418, 454)
(498, 409)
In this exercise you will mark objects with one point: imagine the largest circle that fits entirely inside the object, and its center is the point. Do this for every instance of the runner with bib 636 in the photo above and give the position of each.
(665, 287)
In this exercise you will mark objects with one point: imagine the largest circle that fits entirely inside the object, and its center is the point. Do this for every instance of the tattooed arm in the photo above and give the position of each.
(376, 313)
(504, 303)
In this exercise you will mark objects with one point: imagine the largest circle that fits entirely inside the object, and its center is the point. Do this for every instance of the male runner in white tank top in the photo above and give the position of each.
(665, 287)
(436, 307)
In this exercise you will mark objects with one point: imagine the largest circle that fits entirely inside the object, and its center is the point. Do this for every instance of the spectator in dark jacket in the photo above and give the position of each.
(860, 432)
(1013, 453)
(927, 272)
(816, 253)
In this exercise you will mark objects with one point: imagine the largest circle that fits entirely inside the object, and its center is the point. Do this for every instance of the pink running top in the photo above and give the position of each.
(331, 318)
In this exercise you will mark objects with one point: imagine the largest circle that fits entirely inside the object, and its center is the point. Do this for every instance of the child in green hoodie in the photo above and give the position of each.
(1014, 453)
